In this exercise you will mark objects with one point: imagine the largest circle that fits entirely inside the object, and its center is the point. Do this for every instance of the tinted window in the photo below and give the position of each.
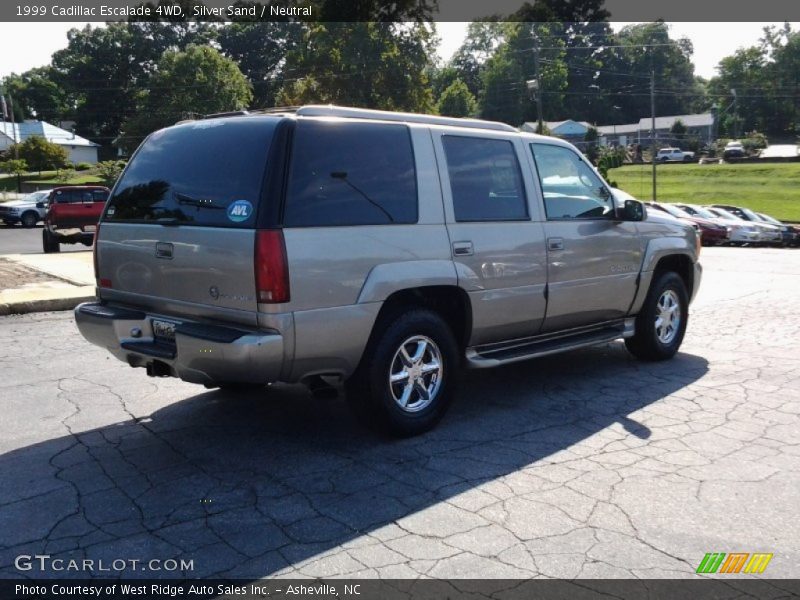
(201, 173)
(572, 190)
(99, 195)
(351, 174)
(485, 179)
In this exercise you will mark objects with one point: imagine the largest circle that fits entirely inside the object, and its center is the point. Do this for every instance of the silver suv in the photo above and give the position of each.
(381, 249)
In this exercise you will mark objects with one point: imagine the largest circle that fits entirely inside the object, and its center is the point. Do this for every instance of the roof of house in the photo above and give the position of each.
(701, 120)
(554, 126)
(21, 131)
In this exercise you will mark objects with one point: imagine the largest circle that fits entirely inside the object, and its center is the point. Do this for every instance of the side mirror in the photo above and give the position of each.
(40, 205)
(632, 210)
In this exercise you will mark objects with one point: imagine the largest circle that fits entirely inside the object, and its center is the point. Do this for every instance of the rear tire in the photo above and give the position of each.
(661, 324)
(407, 377)
(50, 243)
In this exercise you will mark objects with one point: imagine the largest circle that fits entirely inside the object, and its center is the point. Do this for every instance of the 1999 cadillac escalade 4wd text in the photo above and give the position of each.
(382, 249)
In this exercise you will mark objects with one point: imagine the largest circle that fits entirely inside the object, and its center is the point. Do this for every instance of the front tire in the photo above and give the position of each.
(29, 219)
(406, 379)
(661, 324)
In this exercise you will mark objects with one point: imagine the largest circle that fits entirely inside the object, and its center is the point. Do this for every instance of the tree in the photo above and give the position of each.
(457, 101)
(15, 166)
(38, 95)
(368, 64)
(103, 70)
(194, 82)
(109, 171)
(40, 155)
(259, 49)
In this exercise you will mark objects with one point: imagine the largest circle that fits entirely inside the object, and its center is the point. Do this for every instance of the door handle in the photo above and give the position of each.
(555, 243)
(462, 249)
(164, 250)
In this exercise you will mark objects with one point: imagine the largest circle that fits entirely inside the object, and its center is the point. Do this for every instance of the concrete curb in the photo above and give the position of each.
(46, 305)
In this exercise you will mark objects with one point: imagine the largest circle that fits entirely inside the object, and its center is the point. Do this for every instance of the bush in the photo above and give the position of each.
(110, 170)
(40, 154)
(754, 141)
(83, 166)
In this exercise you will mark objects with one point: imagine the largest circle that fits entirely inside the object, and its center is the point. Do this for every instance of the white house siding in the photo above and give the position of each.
(79, 154)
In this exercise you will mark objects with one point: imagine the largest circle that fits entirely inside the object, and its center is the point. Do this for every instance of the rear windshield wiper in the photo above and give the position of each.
(198, 202)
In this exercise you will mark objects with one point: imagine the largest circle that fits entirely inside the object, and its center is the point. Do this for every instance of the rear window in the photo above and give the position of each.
(79, 195)
(206, 173)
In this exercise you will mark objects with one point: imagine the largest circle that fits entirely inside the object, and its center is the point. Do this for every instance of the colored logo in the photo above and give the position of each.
(737, 562)
(240, 210)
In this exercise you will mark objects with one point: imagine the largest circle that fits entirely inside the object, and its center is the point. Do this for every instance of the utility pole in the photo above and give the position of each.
(13, 126)
(653, 126)
(735, 114)
(538, 84)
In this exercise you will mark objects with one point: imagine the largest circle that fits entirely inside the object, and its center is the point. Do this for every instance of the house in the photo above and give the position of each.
(78, 149)
(567, 130)
(700, 126)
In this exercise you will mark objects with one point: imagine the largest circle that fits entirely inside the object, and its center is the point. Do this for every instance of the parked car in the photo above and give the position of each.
(382, 249)
(742, 232)
(72, 215)
(24, 210)
(771, 234)
(734, 150)
(790, 233)
(711, 232)
(674, 155)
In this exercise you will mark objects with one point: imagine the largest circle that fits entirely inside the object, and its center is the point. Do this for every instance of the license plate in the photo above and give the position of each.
(164, 330)
(90, 228)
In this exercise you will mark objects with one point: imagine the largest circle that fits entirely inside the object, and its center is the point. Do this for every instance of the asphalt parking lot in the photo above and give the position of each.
(583, 465)
(15, 239)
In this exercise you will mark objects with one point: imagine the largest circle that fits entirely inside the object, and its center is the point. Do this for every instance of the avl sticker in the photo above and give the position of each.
(240, 210)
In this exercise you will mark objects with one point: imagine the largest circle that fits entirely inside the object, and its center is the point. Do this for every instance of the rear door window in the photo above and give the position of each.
(351, 174)
(206, 173)
(485, 179)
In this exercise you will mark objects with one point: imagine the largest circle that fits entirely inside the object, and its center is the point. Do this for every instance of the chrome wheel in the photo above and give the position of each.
(668, 317)
(415, 374)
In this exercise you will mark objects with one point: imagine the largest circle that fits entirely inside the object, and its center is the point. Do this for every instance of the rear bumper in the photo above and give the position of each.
(201, 353)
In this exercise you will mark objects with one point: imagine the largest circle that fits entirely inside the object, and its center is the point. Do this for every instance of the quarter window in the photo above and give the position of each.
(485, 179)
(572, 190)
(351, 174)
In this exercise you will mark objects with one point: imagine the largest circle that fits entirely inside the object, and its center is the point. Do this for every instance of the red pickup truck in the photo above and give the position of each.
(72, 215)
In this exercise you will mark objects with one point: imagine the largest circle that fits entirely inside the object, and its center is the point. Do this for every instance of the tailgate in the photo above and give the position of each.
(199, 271)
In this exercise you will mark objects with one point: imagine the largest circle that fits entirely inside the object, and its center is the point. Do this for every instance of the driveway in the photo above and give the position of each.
(587, 465)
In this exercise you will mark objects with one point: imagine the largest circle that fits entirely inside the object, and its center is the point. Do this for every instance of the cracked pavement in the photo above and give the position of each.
(589, 464)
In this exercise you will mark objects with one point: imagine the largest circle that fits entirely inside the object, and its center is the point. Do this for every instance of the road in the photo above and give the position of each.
(18, 240)
(584, 465)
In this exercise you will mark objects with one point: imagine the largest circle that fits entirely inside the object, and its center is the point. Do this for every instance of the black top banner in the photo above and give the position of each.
(399, 10)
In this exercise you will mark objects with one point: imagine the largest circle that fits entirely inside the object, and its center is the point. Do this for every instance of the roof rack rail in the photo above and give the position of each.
(330, 110)
(232, 113)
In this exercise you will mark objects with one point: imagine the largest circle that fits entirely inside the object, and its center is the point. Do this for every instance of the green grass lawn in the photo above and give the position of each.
(48, 178)
(773, 189)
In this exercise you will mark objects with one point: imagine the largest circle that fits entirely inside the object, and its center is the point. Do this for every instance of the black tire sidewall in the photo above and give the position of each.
(652, 347)
(378, 364)
(30, 224)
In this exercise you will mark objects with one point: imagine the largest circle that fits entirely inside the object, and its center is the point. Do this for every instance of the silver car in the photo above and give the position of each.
(384, 250)
(28, 210)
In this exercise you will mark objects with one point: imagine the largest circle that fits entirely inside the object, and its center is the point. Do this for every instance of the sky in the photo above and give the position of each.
(27, 45)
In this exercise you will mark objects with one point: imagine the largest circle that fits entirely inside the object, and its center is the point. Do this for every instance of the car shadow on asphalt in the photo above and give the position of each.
(249, 485)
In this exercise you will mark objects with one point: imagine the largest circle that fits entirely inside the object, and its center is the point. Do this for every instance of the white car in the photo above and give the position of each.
(742, 232)
(674, 155)
(25, 210)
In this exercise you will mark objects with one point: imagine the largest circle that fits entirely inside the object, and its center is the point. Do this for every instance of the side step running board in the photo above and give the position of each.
(493, 355)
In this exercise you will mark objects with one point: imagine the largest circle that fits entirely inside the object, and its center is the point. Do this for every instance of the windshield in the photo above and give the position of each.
(751, 215)
(675, 211)
(701, 212)
(769, 219)
(36, 197)
(206, 173)
(726, 215)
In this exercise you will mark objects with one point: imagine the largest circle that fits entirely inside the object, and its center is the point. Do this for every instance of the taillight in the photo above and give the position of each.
(103, 283)
(271, 268)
